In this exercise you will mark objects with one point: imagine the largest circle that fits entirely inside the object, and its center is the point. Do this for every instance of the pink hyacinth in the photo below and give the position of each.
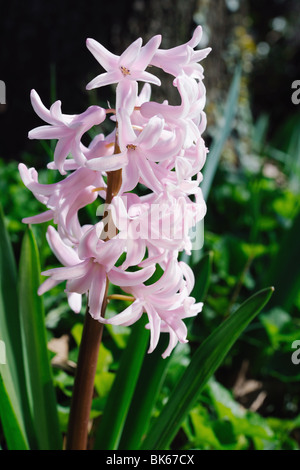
(166, 303)
(157, 152)
(68, 129)
(130, 65)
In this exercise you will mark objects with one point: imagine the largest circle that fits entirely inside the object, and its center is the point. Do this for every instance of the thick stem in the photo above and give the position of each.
(84, 383)
(83, 390)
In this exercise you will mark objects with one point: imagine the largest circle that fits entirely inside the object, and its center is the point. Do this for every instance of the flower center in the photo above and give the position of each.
(131, 146)
(125, 71)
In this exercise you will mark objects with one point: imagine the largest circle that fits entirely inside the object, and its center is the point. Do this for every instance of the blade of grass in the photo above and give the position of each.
(113, 419)
(150, 380)
(203, 365)
(15, 439)
(12, 371)
(219, 141)
(284, 271)
(37, 361)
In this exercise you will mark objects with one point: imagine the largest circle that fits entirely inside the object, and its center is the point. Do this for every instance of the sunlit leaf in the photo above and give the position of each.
(113, 419)
(37, 364)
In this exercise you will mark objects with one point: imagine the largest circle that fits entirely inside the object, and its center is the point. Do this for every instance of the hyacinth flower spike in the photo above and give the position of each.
(155, 147)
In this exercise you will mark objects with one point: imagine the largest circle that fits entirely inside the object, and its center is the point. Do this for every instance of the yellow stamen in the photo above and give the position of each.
(111, 144)
(129, 298)
(137, 128)
(101, 188)
(124, 71)
(131, 147)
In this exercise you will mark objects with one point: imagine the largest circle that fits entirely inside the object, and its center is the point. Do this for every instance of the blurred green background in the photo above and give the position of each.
(252, 224)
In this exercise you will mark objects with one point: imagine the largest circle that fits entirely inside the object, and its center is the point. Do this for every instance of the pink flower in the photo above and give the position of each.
(160, 224)
(142, 148)
(183, 58)
(68, 129)
(63, 199)
(87, 269)
(130, 65)
(188, 114)
(67, 256)
(166, 303)
(156, 145)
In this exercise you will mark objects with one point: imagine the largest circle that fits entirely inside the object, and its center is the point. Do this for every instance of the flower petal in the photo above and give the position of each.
(129, 56)
(147, 52)
(69, 272)
(74, 301)
(103, 79)
(65, 254)
(130, 315)
(154, 325)
(109, 162)
(97, 292)
(39, 218)
(101, 54)
(127, 278)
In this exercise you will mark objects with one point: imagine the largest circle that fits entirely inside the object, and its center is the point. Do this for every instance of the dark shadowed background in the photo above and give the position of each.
(43, 47)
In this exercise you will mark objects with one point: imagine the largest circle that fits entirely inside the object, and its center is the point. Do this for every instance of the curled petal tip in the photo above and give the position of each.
(157, 39)
(33, 93)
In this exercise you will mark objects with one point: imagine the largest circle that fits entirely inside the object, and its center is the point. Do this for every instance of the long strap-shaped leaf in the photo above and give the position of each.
(152, 374)
(12, 371)
(36, 357)
(219, 140)
(15, 438)
(284, 270)
(112, 422)
(204, 363)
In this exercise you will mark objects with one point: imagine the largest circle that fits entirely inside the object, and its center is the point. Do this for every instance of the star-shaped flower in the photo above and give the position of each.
(183, 58)
(166, 302)
(68, 129)
(130, 65)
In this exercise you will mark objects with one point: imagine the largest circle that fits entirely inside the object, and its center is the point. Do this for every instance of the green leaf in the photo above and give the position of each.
(37, 361)
(284, 271)
(12, 371)
(115, 412)
(203, 365)
(15, 439)
(219, 141)
(150, 380)
(243, 421)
